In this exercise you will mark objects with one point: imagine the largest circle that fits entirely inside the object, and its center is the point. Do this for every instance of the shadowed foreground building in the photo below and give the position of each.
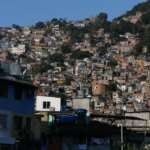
(16, 109)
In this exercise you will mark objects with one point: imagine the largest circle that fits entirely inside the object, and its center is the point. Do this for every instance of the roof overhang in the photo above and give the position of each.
(7, 140)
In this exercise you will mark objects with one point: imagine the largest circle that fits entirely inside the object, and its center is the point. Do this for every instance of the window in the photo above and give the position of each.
(18, 122)
(28, 123)
(46, 105)
(18, 92)
(29, 92)
(3, 121)
(3, 89)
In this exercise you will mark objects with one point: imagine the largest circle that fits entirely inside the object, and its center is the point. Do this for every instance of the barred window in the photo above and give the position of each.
(46, 105)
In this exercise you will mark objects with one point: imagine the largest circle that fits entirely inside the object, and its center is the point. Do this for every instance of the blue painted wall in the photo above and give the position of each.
(25, 106)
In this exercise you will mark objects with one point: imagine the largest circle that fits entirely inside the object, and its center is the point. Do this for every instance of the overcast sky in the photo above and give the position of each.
(28, 12)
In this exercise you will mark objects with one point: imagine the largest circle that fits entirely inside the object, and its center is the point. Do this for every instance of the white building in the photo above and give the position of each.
(20, 49)
(46, 104)
(81, 103)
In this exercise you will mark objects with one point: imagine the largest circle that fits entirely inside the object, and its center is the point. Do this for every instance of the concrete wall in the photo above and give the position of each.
(98, 88)
(54, 103)
(141, 115)
(141, 124)
(12, 69)
(81, 103)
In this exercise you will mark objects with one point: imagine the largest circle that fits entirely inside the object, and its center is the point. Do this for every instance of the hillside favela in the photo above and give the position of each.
(76, 85)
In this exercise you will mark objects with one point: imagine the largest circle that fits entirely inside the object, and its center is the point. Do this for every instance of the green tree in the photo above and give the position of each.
(17, 27)
(144, 42)
(146, 18)
(40, 25)
(113, 63)
(102, 17)
(66, 48)
(80, 54)
(56, 58)
(112, 87)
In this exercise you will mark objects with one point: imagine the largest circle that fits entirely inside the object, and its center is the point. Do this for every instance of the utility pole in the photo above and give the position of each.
(121, 135)
(122, 140)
